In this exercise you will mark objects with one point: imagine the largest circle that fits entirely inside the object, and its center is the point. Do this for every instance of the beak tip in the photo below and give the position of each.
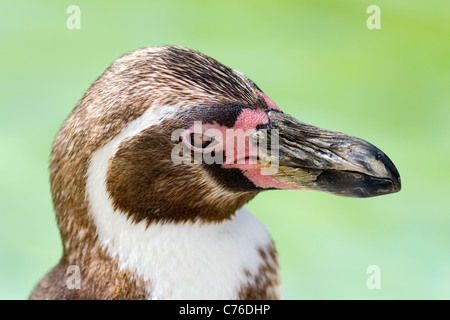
(389, 172)
(394, 175)
(397, 184)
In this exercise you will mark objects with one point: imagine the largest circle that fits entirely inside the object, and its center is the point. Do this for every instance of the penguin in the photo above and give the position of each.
(150, 172)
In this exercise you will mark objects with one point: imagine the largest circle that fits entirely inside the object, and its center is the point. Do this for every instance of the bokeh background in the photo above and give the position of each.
(318, 61)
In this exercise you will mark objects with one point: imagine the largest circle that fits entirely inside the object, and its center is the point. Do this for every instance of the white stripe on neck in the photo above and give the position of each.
(180, 261)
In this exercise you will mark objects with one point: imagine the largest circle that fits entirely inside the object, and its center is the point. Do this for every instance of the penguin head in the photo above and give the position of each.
(173, 136)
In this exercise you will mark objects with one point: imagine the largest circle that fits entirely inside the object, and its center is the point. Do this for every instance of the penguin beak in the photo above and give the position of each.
(309, 157)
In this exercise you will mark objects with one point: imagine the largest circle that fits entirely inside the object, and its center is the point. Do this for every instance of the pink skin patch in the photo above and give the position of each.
(235, 141)
(269, 101)
(239, 152)
(265, 181)
(242, 154)
(248, 120)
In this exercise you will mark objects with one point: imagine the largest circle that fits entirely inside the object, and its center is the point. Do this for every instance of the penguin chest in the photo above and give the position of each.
(230, 260)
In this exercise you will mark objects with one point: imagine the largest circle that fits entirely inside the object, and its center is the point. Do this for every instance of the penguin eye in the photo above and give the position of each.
(199, 140)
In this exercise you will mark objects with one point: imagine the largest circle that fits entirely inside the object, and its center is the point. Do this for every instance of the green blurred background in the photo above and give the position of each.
(318, 61)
